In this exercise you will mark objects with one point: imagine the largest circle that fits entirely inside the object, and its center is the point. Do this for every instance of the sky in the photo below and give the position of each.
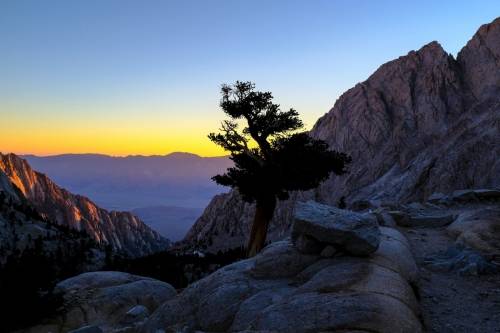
(143, 77)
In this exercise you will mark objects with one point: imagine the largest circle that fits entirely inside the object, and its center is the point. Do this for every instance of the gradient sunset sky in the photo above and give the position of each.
(143, 77)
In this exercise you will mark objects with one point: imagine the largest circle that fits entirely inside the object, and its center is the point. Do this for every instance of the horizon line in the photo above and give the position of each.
(112, 156)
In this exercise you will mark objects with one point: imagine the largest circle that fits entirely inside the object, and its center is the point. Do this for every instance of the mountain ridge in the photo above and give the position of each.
(175, 153)
(122, 230)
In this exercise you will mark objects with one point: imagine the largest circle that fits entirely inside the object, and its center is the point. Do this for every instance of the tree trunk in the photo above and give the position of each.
(264, 212)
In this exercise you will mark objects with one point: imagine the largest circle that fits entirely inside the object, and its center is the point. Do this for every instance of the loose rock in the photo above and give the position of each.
(355, 233)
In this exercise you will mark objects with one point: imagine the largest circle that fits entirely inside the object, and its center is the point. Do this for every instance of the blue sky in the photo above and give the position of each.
(144, 69)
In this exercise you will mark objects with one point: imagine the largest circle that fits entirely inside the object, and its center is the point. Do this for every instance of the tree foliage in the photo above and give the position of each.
(271, 157)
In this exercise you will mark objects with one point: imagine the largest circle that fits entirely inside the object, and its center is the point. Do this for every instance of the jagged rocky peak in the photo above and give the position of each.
(480, 60)
(122, 230)
(404, 104)
(423, 123)
(412, 125)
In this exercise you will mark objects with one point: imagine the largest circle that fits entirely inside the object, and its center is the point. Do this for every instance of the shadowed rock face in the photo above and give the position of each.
(423, 123)
(122, 230)
(420, 124)
(479, 61)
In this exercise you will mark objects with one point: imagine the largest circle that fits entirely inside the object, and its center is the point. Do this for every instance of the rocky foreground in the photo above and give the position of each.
(342, 271)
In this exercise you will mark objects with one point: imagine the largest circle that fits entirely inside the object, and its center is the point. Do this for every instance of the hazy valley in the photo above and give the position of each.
(167, 192)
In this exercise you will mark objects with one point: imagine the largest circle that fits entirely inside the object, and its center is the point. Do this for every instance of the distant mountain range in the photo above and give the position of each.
(125, 183)
(168, 192)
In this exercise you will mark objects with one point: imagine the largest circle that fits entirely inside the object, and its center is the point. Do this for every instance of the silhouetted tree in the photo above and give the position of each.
(270, 157)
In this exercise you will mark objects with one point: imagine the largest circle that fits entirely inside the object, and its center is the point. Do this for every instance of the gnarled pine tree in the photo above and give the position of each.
(271, 158)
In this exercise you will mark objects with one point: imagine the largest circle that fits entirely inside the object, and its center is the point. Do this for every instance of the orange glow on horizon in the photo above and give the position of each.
(115, 144)
(52, 129)
(105, 134)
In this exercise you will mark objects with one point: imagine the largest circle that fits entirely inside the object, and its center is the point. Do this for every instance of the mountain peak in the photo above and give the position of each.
(182, 154)
(488, 28)
(432, 47)
(480, 60)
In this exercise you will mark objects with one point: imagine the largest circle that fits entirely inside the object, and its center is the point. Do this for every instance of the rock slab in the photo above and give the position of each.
(355, 233)
(283, 290)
